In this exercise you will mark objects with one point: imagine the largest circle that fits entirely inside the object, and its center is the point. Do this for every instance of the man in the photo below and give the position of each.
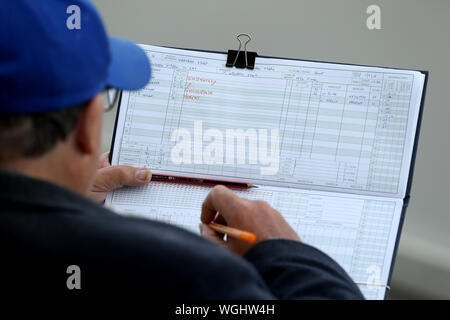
(52, 78)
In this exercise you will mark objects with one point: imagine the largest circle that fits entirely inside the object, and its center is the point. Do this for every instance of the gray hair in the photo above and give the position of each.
(32, 135)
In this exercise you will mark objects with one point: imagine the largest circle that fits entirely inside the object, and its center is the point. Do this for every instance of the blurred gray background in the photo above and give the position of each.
(414, 34)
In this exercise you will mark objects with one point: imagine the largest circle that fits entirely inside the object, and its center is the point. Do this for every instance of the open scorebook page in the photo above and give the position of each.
(328, 145)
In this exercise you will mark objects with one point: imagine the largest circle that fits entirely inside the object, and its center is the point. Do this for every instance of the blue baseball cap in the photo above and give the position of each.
(55, 54)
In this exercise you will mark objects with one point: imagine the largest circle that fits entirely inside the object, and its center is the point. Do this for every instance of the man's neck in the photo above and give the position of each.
(50, 167)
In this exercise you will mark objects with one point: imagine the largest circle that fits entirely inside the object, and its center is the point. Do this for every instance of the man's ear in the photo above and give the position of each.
(87, 135)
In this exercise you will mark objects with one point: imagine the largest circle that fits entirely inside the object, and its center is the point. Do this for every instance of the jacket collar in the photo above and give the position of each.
(20, 189)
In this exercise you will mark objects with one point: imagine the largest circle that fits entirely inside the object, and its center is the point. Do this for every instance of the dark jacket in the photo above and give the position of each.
(45, 228)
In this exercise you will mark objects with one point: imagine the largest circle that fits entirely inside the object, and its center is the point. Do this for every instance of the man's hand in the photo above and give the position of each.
(110, 177)
(223, 206)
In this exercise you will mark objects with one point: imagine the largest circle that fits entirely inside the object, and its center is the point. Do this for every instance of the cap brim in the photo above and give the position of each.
(130, 67)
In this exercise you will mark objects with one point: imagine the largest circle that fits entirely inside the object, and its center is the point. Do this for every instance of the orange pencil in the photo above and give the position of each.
(233, 232)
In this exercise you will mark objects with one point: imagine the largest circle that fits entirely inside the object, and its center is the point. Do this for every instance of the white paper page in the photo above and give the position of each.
(340, 128)
(359, 232)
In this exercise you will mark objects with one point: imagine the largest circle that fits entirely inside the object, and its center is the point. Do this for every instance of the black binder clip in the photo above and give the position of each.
(241, 59)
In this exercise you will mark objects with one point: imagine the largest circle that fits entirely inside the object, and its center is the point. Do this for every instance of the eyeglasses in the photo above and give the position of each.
(112, 96)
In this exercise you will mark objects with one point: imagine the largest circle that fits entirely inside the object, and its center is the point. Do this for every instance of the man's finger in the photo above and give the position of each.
(220, 220)
(220, 199)
(118, 176)
(103, 161)
(210, 234)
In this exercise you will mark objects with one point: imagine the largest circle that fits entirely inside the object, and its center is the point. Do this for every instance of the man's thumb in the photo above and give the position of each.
(210, 234)
(118, 176)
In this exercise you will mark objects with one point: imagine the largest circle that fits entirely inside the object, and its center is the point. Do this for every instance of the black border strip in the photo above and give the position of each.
(414, 152)
(111, 149)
